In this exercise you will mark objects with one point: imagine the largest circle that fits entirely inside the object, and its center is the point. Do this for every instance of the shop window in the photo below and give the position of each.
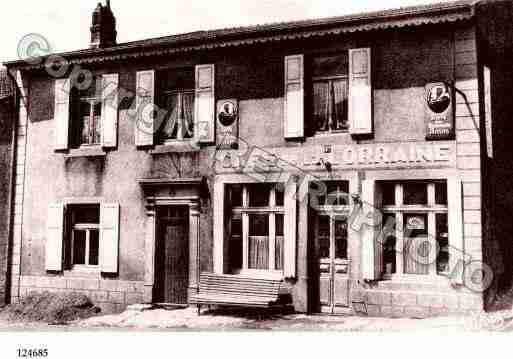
(414, 227)
(84, 241)
(256, 227)
(329, 93)
(86, 127)
(330, 193)
(176, 96)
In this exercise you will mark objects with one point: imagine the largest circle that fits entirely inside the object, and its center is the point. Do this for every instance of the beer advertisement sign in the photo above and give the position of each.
(439, 104)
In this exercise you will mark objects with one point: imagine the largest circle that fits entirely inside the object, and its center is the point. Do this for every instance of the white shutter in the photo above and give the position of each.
(145, 105)
(109, 125)
(54, 237)
(360, 91)
(289, 229)
(109, 237)
(294, 97)
(455, 219)
(371, 246)
(61, 113)
(204, 104)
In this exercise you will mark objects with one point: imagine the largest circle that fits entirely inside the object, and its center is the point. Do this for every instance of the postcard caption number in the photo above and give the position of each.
(32, 353)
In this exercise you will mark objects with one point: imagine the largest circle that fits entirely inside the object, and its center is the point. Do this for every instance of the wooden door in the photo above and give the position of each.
(173, 250)
(332, 249)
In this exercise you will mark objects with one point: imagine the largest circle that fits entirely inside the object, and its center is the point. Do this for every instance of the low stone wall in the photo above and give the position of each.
(413, 300)
(108, 294)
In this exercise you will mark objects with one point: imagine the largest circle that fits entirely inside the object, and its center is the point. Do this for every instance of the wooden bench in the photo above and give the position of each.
(234, 290)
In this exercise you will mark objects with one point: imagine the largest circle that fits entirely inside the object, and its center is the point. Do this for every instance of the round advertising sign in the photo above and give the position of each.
(227, 113)
(438, 97)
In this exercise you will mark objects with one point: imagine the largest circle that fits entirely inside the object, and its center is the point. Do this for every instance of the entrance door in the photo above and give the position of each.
(331, 239)
(172, 255)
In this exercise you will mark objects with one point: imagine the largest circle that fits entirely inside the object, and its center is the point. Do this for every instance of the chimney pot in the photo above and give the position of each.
(103, 28)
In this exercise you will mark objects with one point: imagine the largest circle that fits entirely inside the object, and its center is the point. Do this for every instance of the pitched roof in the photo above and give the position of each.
(6, 88)
(447, 12)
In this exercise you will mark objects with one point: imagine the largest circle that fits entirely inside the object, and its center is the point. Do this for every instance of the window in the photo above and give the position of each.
(176, 96)
(414, 227)
(329, 93)
(256, 226)
(85, 226)
(88, 107)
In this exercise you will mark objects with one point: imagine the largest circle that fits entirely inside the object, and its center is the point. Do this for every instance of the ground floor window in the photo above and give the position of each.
(85, 235)
(415, 227)
(256, 220)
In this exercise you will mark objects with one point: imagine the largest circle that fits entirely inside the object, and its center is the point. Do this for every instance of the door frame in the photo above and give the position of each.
(171, 192)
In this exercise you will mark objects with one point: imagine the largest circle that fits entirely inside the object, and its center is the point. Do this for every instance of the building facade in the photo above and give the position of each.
(348, 157)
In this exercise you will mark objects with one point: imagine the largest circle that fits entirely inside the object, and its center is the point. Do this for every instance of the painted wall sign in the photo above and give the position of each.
(439, 104)
(340, 157)
(227, 124)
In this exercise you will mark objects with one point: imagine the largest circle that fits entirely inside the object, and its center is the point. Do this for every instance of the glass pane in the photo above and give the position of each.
(97, 130)
(339, 115)
(86, 214)
(79, 247)
(335, 65)
(320, 105)
(259, 195)
(94, 243)
(235, 245)
(188, 115)
(441, 193)
(442, 237)
(317, 192)
(280, 195)
(388, 192)
(417, 247)
(324, 236)
(169, 129)
(415, 193)
(389, 242)
(340, 238)
(258, 241)
(338, 193)
(236, 195)
(278, 253)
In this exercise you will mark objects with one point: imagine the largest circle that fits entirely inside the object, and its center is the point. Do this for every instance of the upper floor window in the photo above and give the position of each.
(88, 107)
(329, 93)
(176, 95)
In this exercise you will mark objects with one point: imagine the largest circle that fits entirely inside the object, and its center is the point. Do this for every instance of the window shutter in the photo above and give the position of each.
(109, 114)
(61, 113)
(145, 105)
(294, 97)
(204, 104)
(54, 237)
(360, 91)
(109, 237)
(289, 229)
(371, 247)
(455, 219)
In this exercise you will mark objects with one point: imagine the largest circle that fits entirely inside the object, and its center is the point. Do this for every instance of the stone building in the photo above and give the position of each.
(363, 160)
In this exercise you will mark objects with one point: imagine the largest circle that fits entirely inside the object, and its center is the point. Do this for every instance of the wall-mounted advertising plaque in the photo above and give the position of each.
(227, 124)
(439, 104)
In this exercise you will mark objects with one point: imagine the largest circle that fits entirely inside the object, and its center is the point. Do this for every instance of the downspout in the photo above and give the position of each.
(12, 180)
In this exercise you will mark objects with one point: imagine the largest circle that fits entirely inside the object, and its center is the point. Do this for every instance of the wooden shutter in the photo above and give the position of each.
(61, 113)
(145, 101)
(371, 247)
(109, 237)
(455, 222)
(360, 91)
(109, 114)
(289, 229)
(54, 237)
(294, 97)
(204, 104)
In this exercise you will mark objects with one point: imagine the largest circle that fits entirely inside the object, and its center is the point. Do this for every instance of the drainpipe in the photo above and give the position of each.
(10, 218)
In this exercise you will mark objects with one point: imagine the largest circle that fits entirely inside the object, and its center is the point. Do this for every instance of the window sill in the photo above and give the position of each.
(95, 151)
(83, 272)
(179, 146)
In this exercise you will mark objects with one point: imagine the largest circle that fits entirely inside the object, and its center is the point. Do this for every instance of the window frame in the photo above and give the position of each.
(164, 90)
(88, 227)
(431, 209)
(271, 210)
(330, 79)
(92, 120)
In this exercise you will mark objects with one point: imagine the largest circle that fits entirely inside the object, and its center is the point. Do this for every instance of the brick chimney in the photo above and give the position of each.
(103, 28)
